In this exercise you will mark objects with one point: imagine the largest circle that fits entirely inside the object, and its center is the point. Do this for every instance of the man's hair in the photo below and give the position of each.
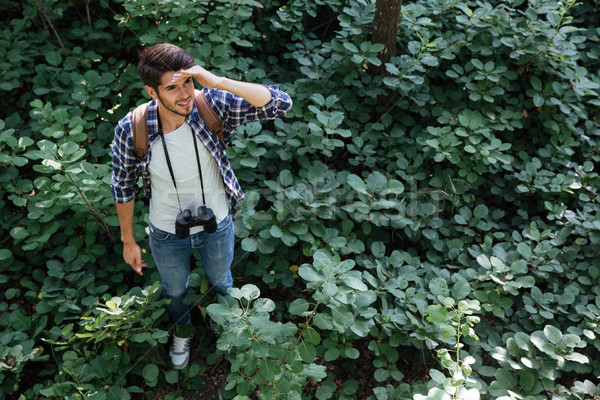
(156, 60)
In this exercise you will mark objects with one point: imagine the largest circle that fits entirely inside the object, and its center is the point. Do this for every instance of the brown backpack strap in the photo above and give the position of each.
(210, 118)
(139, 126)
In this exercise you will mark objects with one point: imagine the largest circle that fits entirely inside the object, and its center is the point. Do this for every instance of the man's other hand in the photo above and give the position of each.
(132, 254)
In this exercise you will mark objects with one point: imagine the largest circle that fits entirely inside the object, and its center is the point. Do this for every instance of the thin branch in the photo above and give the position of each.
(98, 217)
(87, 9)
(42, 7)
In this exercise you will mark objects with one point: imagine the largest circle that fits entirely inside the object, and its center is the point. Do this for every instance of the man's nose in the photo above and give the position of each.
(183, 92)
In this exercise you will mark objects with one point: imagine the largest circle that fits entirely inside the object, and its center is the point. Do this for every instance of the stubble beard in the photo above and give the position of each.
(173, 110)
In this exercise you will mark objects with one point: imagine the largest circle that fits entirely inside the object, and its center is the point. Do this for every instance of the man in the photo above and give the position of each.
(186, 168)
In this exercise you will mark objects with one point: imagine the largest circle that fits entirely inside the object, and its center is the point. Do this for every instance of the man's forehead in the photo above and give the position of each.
(167, 78)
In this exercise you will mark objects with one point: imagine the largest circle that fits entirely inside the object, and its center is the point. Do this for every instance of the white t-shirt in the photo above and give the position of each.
(164, 206)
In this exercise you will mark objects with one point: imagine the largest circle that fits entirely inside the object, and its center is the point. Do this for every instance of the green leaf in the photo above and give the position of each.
(66, 330)
(357, 58)
(318, 98)
(332, 354)
(53, 58)
(481, 211)
(55, 269)
(506, 377)
(323, 321)
(11, 293)
(524, 250)
(357, 183)
(330, 289)
(19, 233)
(343, 317)
(553, 334)
(267, 370)
(61, 116)
(250, 292)
(376, 181)
(461, 289)
(299, 228)
(538, 100)
(285, 178)
(578, 358)
(437, 376)
(438, 313)
(298, 307)
(322, 259)
(351, 353)
(351, 47)
(150, 374)
(381, 374)
(308, 273)
(527, 380)
(355, 283)
(393, 187)
(5, 254)
(497, 263)
(447, 330)
(307, 352)
(172, 376)
(249, 244)
(484, 261)
(69, 253)
(536, 83)
(414, 47)
(478, 64)
(378, 250)
(519, 267)
(150, 39)
(68, 148)
(554, 18)
(310, 335)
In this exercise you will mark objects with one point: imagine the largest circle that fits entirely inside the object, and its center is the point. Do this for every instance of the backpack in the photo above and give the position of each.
(139, 125)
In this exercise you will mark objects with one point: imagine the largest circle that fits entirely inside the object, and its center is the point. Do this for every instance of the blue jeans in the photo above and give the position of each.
(172, 257)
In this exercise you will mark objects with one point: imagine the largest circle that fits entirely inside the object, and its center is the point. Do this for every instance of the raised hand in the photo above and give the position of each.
(202, 76)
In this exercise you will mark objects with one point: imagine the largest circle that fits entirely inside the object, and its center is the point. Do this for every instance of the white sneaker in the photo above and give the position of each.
(180, 351)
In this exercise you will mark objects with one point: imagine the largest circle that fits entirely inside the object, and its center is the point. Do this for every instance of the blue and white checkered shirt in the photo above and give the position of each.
(233, 111)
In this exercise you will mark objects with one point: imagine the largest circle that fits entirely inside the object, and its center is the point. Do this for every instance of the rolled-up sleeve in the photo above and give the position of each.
(123, 183)
(235, 111)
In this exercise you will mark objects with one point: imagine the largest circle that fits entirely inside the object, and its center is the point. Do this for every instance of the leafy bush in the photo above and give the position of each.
(462, 182)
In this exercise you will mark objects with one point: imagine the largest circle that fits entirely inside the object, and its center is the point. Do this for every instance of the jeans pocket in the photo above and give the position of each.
(158, 234)
(224, 224)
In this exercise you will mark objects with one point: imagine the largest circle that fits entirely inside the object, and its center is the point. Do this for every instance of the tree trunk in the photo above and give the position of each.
(385, 30)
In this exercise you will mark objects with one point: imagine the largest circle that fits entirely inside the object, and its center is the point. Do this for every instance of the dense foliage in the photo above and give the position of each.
(432, 232)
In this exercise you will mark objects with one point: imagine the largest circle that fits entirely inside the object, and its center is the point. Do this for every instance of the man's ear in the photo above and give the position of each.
(152, 92)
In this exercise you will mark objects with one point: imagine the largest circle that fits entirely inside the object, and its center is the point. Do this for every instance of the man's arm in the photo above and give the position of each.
(132, 253)
(123, 187)
(253, 93)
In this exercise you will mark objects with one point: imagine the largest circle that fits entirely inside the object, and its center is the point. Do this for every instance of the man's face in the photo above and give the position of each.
(177, 97)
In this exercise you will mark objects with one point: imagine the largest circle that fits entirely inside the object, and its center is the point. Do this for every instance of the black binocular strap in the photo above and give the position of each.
(164, 143)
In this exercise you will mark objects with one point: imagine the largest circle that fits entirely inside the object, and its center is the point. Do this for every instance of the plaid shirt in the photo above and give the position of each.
(233, 111)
